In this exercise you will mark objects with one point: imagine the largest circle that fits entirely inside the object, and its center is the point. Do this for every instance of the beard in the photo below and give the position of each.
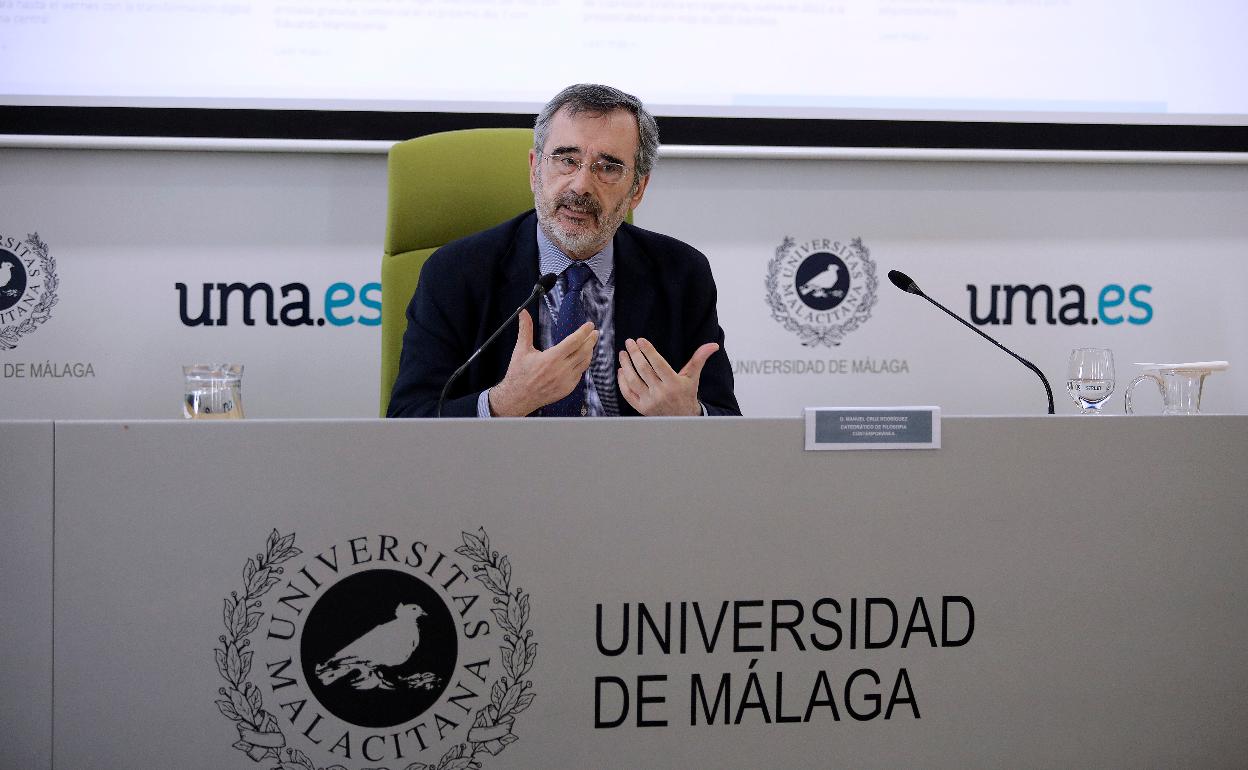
(585, 240)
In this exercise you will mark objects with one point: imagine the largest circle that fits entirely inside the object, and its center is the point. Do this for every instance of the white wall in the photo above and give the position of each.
(124, 226)
(1181, 229)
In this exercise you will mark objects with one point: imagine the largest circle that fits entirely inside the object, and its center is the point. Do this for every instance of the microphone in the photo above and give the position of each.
(907, 284)
(543, 285)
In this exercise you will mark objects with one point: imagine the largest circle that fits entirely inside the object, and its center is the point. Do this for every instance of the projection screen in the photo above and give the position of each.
(1096, 74)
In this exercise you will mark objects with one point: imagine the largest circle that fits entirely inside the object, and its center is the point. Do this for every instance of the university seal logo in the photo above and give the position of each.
(27, 287)
(375, 652)
(821, 289)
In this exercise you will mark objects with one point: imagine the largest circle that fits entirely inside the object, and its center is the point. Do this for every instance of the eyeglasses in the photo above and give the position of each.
(605, 171)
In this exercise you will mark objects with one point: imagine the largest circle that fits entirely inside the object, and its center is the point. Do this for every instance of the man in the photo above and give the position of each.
(627, 301)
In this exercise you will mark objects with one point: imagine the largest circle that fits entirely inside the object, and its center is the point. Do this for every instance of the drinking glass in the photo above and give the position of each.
(1090, 378)
(213, 392)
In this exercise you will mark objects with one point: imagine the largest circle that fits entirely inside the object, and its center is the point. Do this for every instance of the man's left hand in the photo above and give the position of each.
(653, 388)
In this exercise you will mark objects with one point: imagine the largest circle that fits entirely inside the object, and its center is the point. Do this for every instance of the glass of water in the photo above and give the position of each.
(213, 392)
(1090, 378)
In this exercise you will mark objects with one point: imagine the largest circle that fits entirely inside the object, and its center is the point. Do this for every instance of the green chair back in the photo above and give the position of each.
(443, 187)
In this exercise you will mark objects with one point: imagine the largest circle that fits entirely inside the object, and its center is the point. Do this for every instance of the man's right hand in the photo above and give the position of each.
(535, 377)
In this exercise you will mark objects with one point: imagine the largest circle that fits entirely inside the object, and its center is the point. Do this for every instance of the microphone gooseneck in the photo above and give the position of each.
(907, 284)
(543, 285)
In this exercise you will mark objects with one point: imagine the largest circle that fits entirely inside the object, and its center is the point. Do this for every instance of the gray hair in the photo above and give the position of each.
(600, 100)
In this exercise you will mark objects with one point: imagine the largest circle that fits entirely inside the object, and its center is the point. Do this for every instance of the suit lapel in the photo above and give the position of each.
(634, 297)
(516, 275)
(634, 292)
(519, 267)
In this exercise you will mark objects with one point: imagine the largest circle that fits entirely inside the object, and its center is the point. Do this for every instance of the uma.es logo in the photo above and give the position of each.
(1002, 304)
(289, 305)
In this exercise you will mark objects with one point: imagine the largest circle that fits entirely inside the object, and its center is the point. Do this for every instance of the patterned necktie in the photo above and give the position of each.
(571, 316)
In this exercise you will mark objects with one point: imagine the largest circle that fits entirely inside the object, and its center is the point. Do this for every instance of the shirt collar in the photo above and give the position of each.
(551, 258)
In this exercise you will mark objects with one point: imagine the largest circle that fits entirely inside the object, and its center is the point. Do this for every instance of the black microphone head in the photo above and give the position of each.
(904, 282)
(547, 282)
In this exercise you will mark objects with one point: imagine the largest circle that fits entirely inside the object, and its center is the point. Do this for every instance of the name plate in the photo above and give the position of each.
(872, 427)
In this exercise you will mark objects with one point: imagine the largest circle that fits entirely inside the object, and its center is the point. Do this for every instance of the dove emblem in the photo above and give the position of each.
(822, 285)
(367, 662)
(12, 283)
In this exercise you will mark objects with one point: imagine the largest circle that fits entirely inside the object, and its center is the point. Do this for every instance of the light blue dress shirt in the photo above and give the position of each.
(599, 298)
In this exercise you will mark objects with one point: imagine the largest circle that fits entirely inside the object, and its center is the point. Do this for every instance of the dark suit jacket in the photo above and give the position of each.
(663, 292)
